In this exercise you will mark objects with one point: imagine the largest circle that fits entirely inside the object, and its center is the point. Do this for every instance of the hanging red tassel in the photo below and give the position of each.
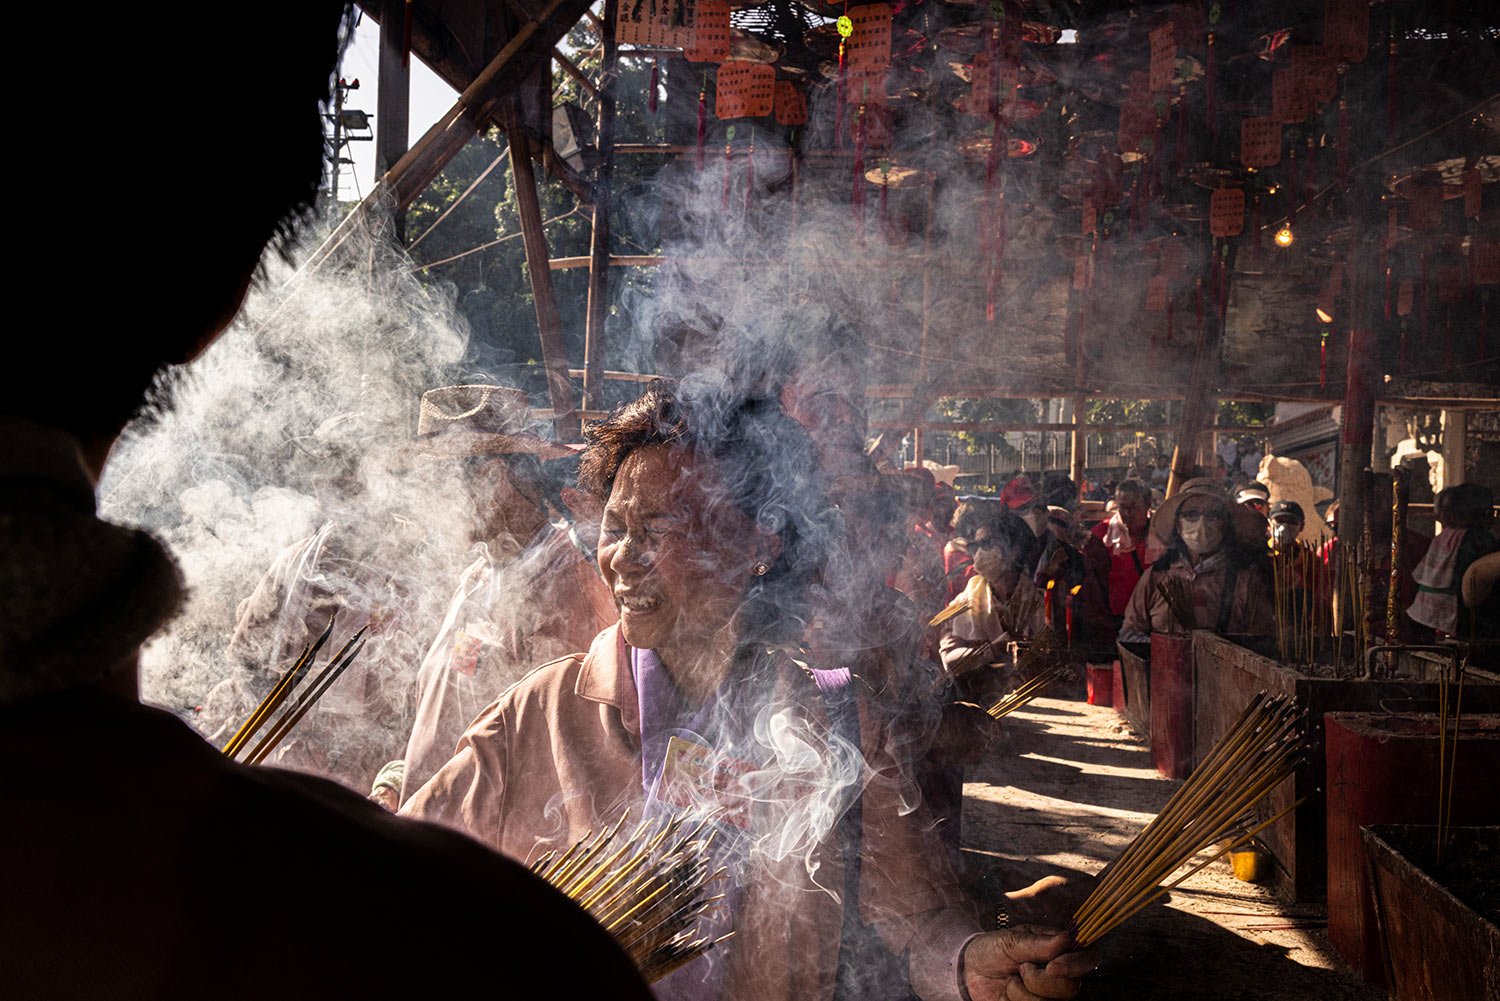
(655, 80)
(857, 195)
(839, 93)
(885, 190)
(1323, 361)
(1292, 188)
(406, 21)
(749, 174)
(728, 169)
(702, 122)
(1390, 304)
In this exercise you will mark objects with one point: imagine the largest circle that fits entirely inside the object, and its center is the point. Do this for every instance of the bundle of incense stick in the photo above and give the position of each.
(282, 691)
(647, 889)
(1028, 690)
(1258, 752)
(1177, 592)
(1300, 581)
(956, 607)
(1019, 609)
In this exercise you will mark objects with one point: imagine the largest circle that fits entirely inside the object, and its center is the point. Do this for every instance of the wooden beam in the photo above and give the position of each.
(475, 108)
(599, 262)
(548, 321)
(393, 97)
(570, 68)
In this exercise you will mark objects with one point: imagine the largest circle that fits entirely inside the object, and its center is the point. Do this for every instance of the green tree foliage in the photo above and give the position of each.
(966, 410)
(477, 249)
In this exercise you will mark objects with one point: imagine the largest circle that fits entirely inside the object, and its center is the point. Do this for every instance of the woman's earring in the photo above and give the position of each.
(760, 569)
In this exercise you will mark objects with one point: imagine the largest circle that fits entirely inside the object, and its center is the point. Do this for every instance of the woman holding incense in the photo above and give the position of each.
(1218, 549)
(711, 534)
(999, 544)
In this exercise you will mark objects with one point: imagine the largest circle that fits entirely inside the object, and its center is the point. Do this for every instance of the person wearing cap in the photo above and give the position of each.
(1285, 524)
(1255, 496)
(532, 593)
(1218, 547)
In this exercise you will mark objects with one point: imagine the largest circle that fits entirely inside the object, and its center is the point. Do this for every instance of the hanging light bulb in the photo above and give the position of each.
(1284, 235)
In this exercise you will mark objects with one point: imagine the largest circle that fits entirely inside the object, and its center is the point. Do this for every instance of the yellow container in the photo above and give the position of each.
(1249, 865)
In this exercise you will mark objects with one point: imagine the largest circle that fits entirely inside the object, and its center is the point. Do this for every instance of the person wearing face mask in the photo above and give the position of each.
(1219, 548)
(976, 637)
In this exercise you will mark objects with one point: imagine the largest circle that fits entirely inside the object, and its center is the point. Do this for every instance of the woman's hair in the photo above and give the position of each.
(766, 464)
(974, 513)
(1468, 505)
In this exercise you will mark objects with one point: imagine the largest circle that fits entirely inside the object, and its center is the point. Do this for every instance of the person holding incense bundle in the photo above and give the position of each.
(713, 529)
(141, 862)
(1218, 549)
(1000, 548)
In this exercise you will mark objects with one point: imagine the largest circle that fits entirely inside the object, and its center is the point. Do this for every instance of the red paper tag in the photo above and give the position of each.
(746, 90)
(1260, 142)
(655, 23)
(1473, 193)
(791, 104)
(1484, 262)
(1318, 72)
(1346, 29)
(1450, 283)
(869, 47)
(1226, 212)
(463, 658)
(1090, 218)
(695, 777)
(1172, 255)
(1156, 294)
(1405, 292)
(710, 38)
(1290, 101)
(1163, 58)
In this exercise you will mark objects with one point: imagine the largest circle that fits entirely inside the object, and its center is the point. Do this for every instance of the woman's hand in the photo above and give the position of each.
(1023, 964)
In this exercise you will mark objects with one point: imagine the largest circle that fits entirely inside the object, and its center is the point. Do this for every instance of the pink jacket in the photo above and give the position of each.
(558, 755)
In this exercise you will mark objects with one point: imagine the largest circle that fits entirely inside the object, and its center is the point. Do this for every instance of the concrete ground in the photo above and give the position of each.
(1067, 790)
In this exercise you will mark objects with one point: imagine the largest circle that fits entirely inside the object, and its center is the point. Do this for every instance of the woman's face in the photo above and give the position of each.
(1202, 523)
(676, 552)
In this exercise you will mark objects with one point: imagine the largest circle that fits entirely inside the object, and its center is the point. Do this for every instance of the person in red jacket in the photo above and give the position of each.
(1115, 557)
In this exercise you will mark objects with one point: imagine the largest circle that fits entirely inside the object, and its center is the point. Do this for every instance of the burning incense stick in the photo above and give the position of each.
(277, 695)
(1256, 754)
(310, 696)
(1178, 594)
(1028, 690)
(647, 890)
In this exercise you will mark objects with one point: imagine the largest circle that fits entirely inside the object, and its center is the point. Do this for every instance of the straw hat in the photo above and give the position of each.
(459, 421)
(1246, 527)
